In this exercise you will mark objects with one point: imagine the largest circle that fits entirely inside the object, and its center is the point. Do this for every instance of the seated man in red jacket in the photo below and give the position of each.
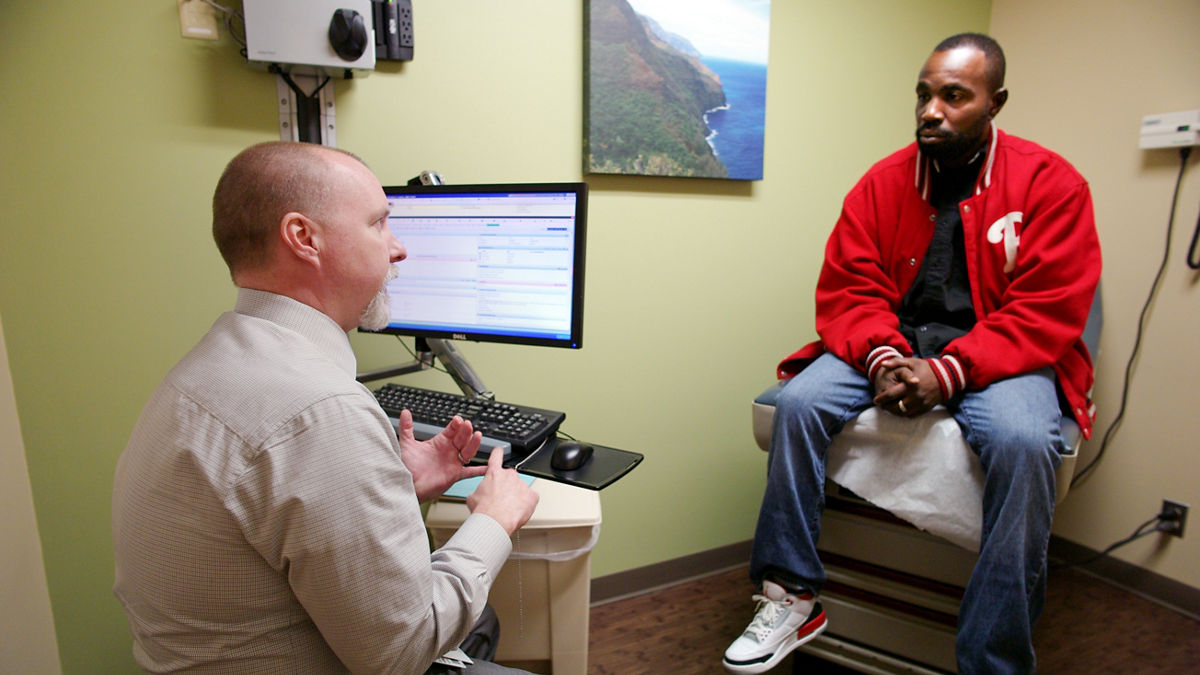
(960, 273)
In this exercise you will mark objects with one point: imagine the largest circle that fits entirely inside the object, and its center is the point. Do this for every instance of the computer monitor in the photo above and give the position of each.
(490, 263)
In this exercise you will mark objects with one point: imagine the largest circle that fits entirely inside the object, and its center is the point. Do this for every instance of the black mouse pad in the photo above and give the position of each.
(603, 469)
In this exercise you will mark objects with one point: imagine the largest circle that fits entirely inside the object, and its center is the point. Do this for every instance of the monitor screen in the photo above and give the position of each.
(490, 263)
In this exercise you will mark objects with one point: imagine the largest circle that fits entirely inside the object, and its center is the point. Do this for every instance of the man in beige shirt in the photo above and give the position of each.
(266, 513)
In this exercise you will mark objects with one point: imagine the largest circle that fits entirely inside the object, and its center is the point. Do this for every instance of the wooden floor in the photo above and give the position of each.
(1088, 626)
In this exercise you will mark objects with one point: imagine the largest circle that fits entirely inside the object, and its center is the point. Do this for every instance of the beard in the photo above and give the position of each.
(378, 311)
(951, 146)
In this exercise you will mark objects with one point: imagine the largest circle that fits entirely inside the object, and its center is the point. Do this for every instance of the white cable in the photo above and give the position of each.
(219, 7)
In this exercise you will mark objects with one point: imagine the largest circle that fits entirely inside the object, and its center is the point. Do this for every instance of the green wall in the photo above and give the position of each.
(116, 136)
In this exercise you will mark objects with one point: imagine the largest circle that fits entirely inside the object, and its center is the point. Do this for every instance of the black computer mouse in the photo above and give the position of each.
(570, 455)
(348, 34)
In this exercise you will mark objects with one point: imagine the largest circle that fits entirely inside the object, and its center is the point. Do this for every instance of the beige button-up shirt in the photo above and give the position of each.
(263, 520)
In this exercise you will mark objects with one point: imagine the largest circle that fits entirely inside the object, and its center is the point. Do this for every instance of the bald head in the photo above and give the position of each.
(261, 185)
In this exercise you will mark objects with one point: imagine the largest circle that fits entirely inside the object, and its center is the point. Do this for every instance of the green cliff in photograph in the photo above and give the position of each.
(647, 100)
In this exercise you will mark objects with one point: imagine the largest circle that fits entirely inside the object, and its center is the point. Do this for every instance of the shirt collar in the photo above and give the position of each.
(308, 321)
(923, 173)
(969, 166)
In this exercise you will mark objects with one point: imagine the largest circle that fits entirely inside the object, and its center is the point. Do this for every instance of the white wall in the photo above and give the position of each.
(1081, 76)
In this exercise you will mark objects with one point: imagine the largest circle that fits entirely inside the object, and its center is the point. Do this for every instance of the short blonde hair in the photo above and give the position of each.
(258, 187)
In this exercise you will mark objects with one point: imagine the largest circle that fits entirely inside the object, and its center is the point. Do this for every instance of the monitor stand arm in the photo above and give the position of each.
(424, 361)
(456, 365)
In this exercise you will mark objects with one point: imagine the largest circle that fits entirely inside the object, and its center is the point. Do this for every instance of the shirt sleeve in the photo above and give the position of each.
(328, 503)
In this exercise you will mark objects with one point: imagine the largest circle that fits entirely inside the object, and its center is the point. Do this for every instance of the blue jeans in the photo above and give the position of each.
(1014, 427)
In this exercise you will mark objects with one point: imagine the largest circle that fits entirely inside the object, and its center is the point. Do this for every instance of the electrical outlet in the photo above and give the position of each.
(197, 19)
(404, 14)
(1172, 518)
(406, 31)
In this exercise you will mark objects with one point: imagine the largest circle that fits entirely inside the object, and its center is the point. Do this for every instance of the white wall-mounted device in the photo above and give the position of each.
(296, 36)
(1170, 130)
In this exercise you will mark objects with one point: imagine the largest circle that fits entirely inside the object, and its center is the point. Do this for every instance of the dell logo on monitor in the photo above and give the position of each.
(460, 336)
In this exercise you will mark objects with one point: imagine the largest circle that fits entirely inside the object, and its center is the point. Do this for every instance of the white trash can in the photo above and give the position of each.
(543, 593)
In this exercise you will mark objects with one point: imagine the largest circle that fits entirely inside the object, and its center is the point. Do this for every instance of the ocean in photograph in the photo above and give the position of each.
(737, 129)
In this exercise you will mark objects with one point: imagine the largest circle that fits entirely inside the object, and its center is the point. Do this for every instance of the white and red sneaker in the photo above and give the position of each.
(782, 622)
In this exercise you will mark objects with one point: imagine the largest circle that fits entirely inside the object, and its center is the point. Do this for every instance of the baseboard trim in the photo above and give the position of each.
(1152, 586)
(1173, 595)
(669, 573)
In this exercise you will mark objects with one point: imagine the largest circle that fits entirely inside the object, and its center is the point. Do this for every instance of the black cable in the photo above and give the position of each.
(1137, 342)
(230, 15)
(1137, 534)
(1193, 258)
(433, 364)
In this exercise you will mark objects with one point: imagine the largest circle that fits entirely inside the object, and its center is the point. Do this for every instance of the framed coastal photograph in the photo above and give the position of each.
(676, 87)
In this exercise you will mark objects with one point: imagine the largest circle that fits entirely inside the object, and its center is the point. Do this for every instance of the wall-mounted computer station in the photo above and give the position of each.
(492, 263)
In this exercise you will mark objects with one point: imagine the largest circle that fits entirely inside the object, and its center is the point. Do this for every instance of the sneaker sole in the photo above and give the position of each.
(803, 635)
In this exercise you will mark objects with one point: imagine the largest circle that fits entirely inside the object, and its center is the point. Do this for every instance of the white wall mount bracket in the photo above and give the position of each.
(306, 108)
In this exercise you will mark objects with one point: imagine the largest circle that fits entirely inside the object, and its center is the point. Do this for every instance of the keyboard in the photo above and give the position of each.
(523, 427)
